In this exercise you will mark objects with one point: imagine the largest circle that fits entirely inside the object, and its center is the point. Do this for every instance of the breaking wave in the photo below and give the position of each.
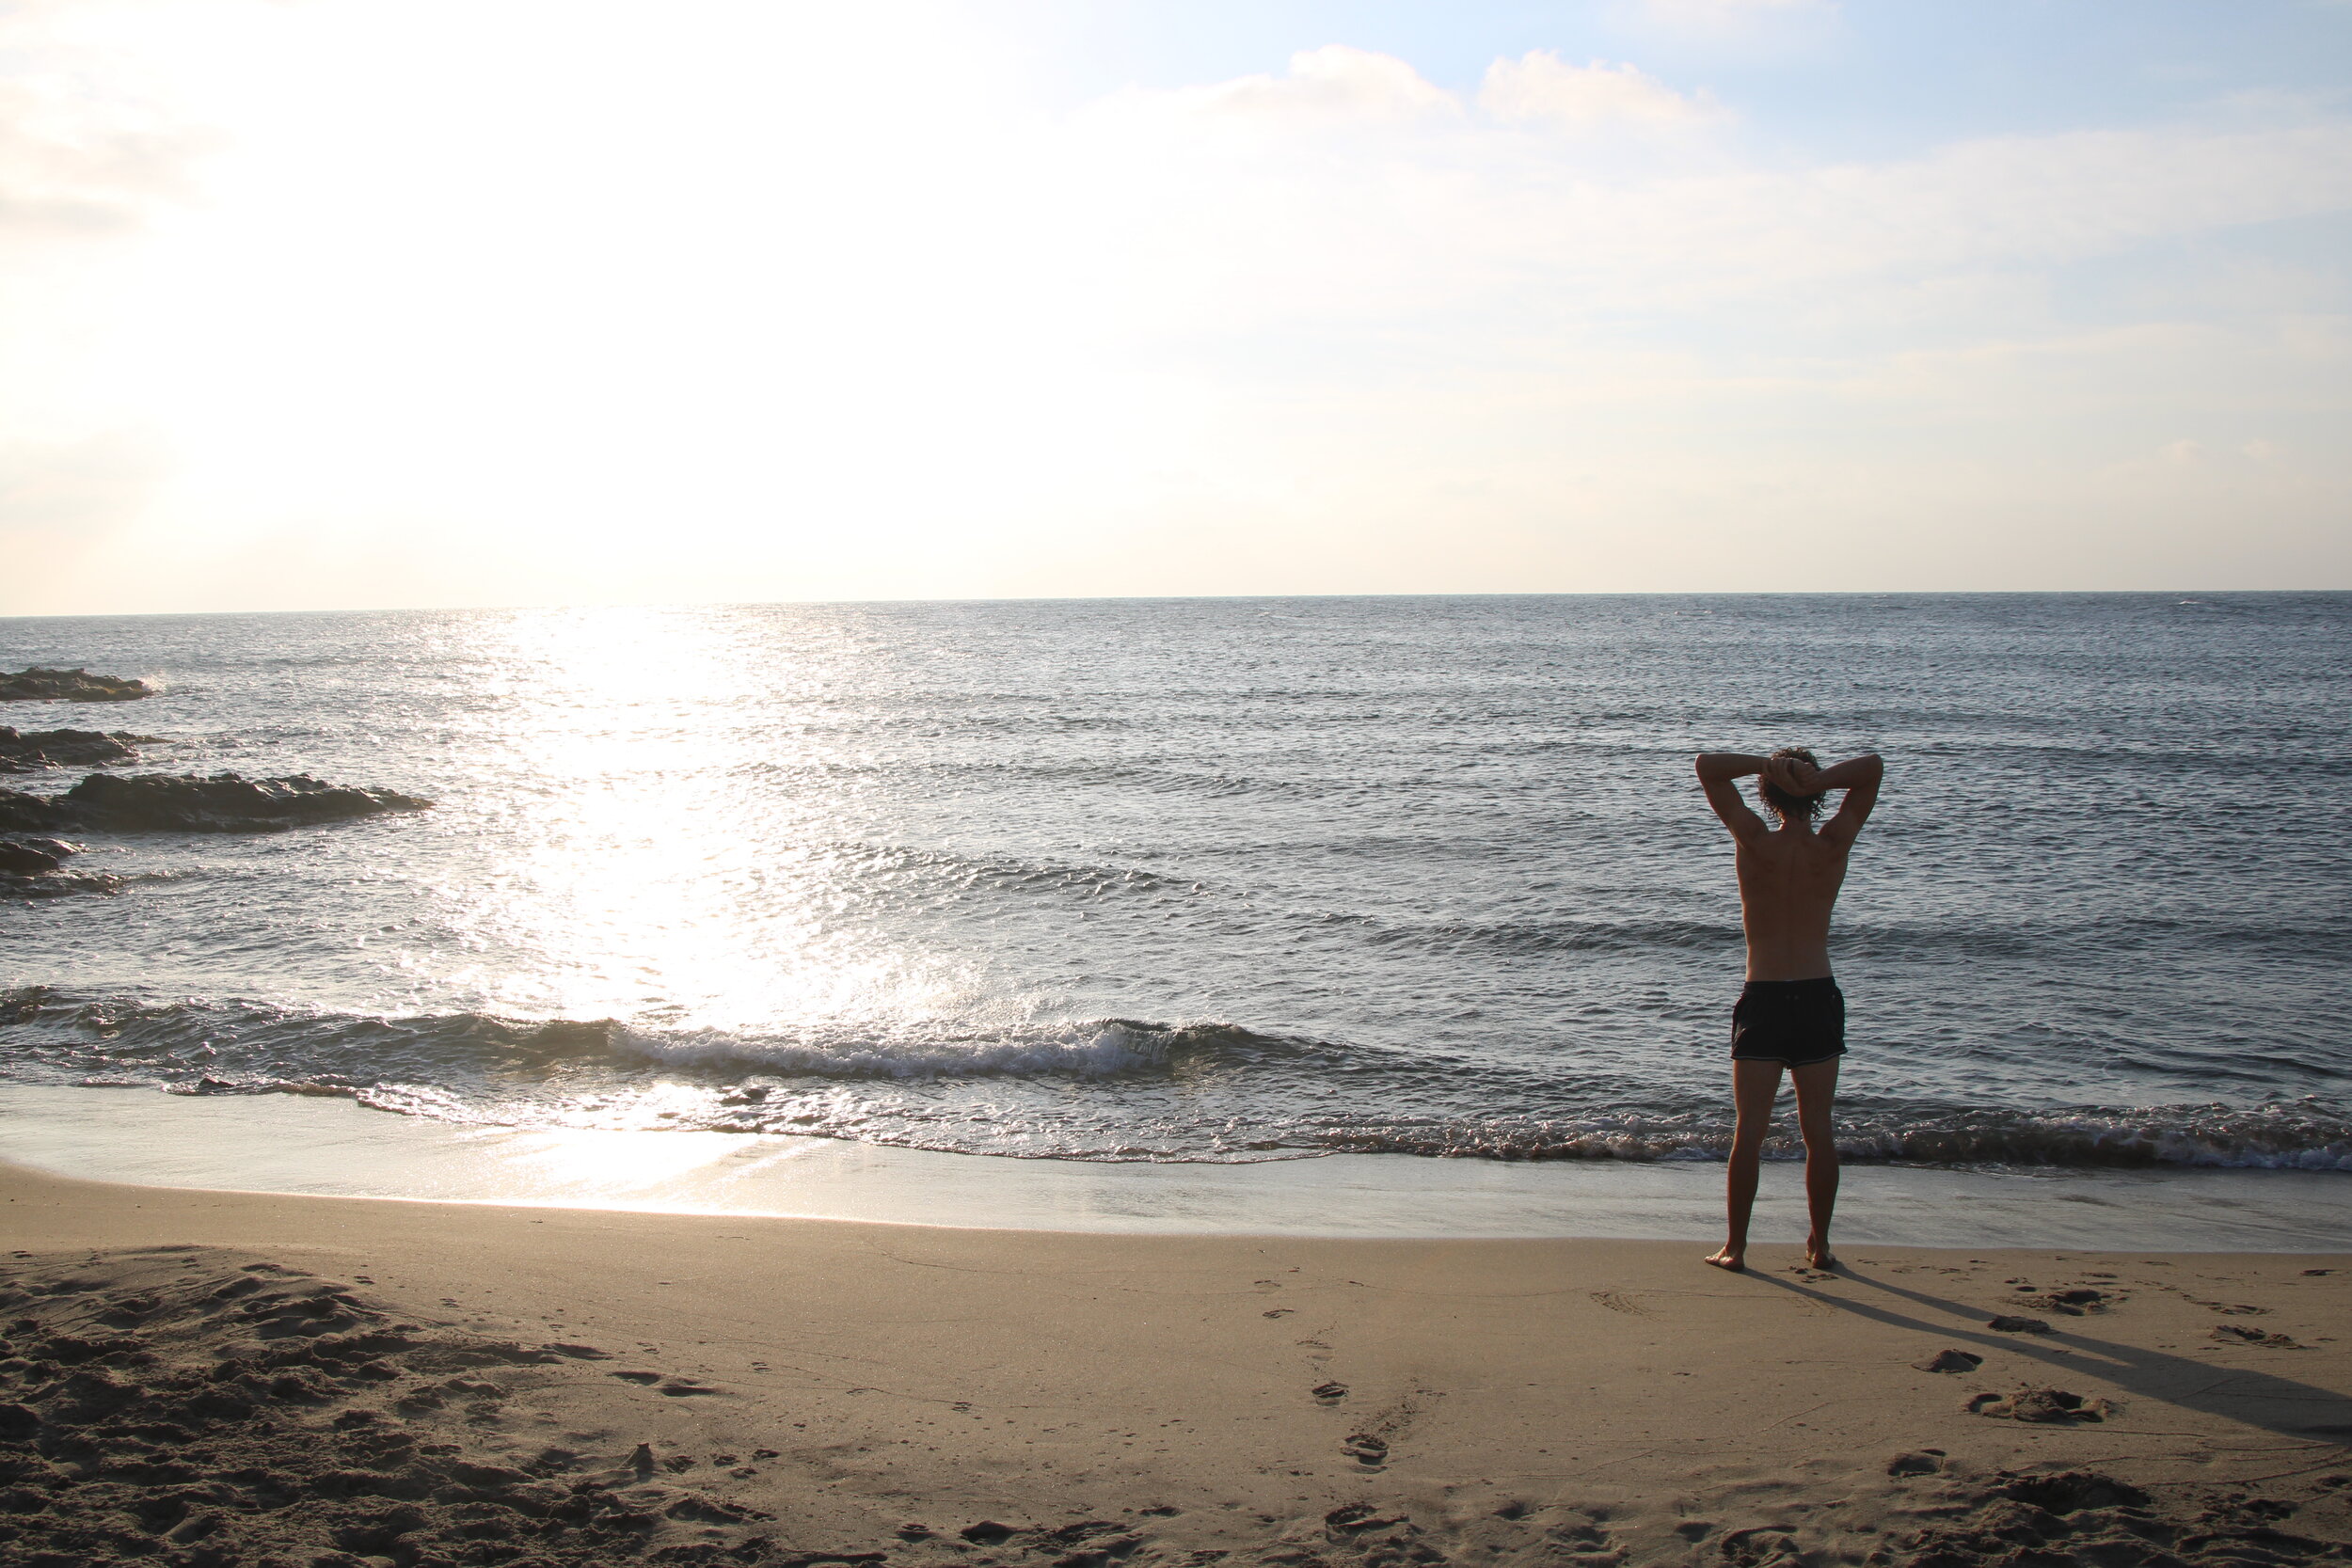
(1093, 1089)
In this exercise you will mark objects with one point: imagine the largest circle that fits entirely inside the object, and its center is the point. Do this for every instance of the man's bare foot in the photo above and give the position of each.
(1726, 1258)
(1818, 1255)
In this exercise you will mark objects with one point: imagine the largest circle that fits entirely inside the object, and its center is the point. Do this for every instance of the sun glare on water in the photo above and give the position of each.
(678, 856)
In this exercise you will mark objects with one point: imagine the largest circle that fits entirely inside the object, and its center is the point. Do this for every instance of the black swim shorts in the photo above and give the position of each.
(1796, 1021)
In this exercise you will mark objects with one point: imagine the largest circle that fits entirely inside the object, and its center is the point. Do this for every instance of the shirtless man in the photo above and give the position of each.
(1791, 1013)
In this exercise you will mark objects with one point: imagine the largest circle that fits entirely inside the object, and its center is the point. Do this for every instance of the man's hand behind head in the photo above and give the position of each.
(1793, 776)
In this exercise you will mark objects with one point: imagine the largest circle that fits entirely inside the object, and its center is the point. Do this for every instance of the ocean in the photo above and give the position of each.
(1225, 880)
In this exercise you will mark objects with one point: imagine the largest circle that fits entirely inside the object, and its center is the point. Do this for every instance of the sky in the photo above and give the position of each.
(330, 303)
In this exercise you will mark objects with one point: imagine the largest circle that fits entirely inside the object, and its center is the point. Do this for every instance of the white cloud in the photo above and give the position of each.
(1341, 88)
(1331, 83)
(1541, 88)
(1462, 218)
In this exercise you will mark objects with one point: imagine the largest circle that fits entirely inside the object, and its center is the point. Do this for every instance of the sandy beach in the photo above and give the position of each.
(208, 1378)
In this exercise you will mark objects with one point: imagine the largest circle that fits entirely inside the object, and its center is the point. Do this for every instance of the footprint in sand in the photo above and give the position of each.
(242, 1372)
(2072, 1302)
(1358, 1518)
(1617, 1303)
(1761, 1546)
(2045, 1406)
(1332, 1393)
(2235, 1333)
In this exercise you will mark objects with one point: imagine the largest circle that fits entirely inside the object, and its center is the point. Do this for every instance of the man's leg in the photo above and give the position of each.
(1817, 1088)
(1754, 1084)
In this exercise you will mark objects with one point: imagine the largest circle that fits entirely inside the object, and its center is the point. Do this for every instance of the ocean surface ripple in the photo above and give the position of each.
(1228, 879)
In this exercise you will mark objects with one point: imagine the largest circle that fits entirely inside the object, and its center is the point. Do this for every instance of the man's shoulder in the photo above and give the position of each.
(1780, 847)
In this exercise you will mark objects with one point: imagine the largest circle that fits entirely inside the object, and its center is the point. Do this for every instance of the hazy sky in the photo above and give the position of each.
(328, 302)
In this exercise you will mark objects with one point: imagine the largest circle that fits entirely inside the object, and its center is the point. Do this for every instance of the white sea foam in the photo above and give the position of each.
(1083, 1049)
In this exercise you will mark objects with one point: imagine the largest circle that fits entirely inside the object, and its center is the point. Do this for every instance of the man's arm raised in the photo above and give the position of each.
(1717, 769)
(1859, 778)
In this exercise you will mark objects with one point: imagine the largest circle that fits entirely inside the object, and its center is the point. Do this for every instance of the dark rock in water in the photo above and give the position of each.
(56, 884)
(21, 813)
(33, 868)
(29, 750)
(38, 683)
(57, 850)
(26, 861)
(224, 803)
(57, 846)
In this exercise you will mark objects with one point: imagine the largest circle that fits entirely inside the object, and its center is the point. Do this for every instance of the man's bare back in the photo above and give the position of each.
(1791, 1014)
(1789, 875)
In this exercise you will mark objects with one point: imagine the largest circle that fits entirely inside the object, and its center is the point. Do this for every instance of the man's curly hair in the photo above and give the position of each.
(1786, 806)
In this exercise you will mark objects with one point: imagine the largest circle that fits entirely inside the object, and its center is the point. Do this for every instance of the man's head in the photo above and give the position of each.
(1784, 805)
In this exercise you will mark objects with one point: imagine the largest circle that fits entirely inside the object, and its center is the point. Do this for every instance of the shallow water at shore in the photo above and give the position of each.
(332, 1148)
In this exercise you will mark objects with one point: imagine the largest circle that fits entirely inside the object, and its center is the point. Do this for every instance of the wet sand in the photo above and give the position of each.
(210, 1379)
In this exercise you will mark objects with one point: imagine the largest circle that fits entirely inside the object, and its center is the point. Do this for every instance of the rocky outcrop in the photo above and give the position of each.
(21, 813)
(184, 803)
(30, 751)
(56, 884)
(31, 858)
(34, 868)
(39, 684)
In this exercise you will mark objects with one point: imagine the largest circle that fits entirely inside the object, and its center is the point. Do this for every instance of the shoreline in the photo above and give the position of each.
(734, 1388)
(335, 1147)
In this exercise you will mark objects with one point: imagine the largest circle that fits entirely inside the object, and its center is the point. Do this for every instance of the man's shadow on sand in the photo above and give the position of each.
(2276, 1404)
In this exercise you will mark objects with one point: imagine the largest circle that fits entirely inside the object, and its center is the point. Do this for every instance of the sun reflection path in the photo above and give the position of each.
(672, 855)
